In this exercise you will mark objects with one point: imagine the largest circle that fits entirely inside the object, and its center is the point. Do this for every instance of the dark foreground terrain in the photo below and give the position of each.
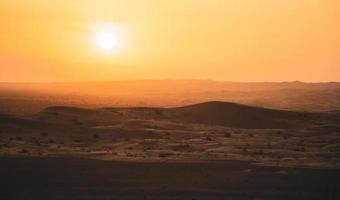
(76, 178)
(211, 150)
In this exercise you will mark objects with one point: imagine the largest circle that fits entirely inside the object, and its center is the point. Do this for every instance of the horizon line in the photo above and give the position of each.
(134, 80)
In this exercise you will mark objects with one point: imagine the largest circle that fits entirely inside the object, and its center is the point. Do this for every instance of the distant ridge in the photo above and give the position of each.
(234, 115)
(20, 98)
(210, 113)
(67, 109)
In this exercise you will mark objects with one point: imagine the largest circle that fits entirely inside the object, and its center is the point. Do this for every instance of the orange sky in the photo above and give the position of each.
(234, 40)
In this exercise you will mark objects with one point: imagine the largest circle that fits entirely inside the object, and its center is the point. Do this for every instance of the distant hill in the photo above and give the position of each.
(234, 115)
(297, 96)
(225, 114)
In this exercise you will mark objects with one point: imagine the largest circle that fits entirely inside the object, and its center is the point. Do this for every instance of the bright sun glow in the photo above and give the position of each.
(107, 40)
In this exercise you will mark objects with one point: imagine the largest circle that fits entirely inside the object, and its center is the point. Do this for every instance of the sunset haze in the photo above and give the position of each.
(234, 40)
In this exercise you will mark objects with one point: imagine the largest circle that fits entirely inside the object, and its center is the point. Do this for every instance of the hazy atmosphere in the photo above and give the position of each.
(170, 99)
(234, 40)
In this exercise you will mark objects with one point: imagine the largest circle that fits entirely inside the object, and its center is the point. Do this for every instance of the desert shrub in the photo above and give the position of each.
(76, 140)
(285, 136)
(23, 151)
(258, 153)
(302, 149)
(44, 133)
(18, 138)
(251, 135)
(52, 113)
(77, 122)
(36, 142)
(269, 145)
(96, 136)
(227, 135)
(164, 154)
(158, 112)
(302, 115)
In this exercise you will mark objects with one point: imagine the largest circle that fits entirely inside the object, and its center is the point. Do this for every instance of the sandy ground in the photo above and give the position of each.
(74, 178)
(141, 134)
(213, 150)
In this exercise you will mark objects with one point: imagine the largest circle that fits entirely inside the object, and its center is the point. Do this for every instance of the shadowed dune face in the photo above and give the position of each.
(227, 114)
(206, 131)
(235, 115)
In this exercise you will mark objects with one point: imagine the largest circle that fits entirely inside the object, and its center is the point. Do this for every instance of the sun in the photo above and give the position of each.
(110, 38)
(107, 40)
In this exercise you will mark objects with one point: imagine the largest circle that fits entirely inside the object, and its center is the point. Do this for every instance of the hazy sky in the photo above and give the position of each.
(234, 40)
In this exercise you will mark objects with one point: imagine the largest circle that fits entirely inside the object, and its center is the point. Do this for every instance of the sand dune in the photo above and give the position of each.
(205, 131)
(210, 150)
(210, 113)
(225, 114)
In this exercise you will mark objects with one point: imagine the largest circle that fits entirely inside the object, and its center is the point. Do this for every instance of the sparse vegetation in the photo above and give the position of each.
(23, 151)
(165, 154)
(227, 135)
(251, 134)
(18, 138)
(77, 122)
(158, 112)
(77, 140)
(285, 136)
(44, 133)
(96, 136)
(258, 152)
(36, 142)
(301, 149)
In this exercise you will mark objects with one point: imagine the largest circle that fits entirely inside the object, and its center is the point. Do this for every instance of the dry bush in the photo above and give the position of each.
(23, 151)
(227, 135)
(77, 122)
(158, 112)
(301, 149)
(165, 154)
(76, 140)
(44, 133)
(18, 138)
(96, 136)
(259, 152)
